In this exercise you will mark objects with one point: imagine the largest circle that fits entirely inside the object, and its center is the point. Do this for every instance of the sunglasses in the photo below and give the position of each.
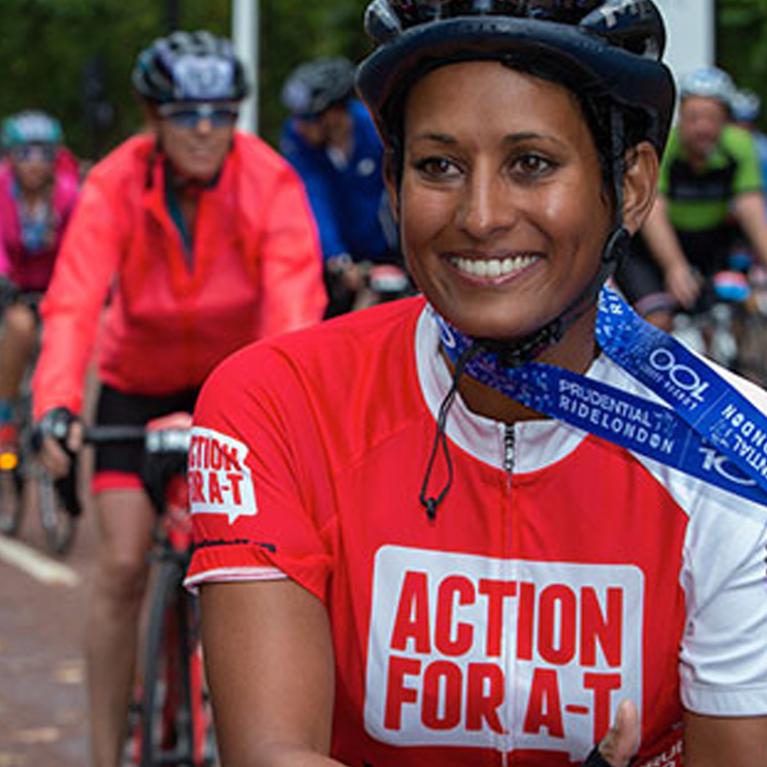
(190, 115)
(27, 152)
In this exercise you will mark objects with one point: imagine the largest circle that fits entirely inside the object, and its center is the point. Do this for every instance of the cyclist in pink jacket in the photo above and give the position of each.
(37, 196)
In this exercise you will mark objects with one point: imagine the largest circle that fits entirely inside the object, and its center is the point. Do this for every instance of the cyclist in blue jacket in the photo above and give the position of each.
(331, 141)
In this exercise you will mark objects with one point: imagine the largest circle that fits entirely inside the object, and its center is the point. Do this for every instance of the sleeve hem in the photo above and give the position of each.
(233, 574)
(717, 701)
(249, 561)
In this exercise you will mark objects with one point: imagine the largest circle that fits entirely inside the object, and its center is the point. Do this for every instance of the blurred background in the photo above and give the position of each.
(73, 57)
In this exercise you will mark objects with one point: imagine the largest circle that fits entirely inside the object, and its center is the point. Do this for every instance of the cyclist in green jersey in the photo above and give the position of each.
(710, 186)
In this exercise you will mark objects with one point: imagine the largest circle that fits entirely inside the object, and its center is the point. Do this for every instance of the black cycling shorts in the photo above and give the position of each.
(117, 408)
(642, 281)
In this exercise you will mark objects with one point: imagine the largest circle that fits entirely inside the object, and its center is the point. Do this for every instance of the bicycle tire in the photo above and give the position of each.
(167, 729)
(11, 501)
(58, 523)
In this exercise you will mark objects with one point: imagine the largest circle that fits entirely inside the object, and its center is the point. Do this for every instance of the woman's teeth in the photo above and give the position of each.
(491, 267)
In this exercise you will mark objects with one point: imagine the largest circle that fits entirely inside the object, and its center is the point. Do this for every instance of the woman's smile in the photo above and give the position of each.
(492, 269)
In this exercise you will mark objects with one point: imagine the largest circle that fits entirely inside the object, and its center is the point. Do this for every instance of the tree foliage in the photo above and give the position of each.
(74, 57)
(742, 44)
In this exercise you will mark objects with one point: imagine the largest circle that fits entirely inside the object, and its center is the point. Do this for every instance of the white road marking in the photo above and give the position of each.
(37, 565)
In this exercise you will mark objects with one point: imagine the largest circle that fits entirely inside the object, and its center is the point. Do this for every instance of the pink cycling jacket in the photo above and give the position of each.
(255, 270)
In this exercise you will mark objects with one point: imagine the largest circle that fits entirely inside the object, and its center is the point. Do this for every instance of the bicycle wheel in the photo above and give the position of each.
(58, 523)
(11, 501)
(175, 721)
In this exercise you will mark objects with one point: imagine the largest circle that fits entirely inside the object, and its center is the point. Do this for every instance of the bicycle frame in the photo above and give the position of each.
(174, 725)
(20, 468)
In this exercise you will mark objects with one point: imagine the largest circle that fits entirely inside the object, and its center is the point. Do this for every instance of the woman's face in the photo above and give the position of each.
(701, 121)
(503, 211)
(33, 166)
(196, 147)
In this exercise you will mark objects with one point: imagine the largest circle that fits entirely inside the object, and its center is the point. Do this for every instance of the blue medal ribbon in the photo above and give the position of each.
(707, 429)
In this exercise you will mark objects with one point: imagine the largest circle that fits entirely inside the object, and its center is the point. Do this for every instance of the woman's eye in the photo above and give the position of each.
(532, 165)
(437, 167)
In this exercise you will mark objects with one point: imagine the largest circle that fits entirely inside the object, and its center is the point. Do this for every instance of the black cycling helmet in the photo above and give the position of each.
(598, 48)
(316, 85)
(189, 66)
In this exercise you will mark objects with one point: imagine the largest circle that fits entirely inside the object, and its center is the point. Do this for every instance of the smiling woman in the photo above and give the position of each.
(486, 523)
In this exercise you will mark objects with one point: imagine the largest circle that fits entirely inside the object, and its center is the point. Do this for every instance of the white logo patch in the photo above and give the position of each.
(507, 654)
(219, 480)
(203, 78)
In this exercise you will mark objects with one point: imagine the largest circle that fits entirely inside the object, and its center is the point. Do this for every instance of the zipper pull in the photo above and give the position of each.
(509, 446)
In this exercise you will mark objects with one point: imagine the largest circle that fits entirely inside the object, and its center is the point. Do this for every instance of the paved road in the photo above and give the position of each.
(42, 697)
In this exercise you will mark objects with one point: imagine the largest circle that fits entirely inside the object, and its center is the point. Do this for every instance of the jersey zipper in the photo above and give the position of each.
(509, 459)
(509, 450)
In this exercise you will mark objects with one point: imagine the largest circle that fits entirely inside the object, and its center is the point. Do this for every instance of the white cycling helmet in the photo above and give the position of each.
(708, 82)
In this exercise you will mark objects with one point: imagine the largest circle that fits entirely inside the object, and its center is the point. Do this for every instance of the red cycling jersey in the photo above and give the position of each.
(562, 573)
(255, 270)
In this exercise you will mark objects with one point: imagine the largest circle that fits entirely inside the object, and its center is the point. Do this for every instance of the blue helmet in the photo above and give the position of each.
(30, 127)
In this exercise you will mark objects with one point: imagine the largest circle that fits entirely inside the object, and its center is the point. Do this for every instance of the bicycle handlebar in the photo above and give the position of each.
(161, 440)
(107, 434)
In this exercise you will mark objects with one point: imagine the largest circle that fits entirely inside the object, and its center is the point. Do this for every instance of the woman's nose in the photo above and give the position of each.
(487, 205)
(204, 125)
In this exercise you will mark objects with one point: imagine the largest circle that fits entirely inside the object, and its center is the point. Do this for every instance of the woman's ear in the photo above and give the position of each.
(640, 185)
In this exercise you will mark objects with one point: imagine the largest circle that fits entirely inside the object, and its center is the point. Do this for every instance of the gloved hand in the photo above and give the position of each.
(58, 437)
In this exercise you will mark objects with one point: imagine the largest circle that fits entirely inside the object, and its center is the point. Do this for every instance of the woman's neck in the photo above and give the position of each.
(31, 198)
(575, 352)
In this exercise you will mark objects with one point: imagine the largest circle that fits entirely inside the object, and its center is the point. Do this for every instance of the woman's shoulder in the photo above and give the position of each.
(698, 489)
(126, 161)
(328, 359)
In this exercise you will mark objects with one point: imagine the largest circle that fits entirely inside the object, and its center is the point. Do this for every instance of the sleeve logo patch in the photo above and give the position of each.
(220, 482)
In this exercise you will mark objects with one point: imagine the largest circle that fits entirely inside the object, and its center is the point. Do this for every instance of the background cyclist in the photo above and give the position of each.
(710, 179)
(38, 191)
(200, 239)
(332, 143)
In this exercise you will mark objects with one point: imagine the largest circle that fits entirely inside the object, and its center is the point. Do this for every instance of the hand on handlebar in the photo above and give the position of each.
(621, 741)
(60, 435)
(347, 270)
(683, 284)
